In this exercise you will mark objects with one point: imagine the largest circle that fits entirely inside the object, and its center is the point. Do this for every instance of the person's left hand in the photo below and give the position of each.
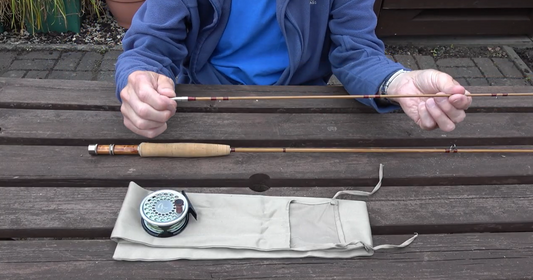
(431, 113)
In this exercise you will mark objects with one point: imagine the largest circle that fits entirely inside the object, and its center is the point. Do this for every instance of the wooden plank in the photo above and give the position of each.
(455, 22)
(455, 4)
(47, 127)
(72, 166)
(519, 41)
(377, 7)
(455, 256)
(57, 94)
(91, 212)
(99, 96)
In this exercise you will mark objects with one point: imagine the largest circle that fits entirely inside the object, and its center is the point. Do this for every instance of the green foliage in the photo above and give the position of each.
(20, 13)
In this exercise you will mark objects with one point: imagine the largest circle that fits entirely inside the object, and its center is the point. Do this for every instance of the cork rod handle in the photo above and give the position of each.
(183, 150)
(146, 149)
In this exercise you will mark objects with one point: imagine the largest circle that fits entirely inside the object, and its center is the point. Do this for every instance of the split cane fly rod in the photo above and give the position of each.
(213, 150)
(345, 96)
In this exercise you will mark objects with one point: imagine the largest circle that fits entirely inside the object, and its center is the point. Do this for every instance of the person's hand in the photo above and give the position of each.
(431, 113)
(146, 105)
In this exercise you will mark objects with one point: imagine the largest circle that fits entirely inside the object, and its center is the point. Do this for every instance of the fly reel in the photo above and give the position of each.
(165, 213)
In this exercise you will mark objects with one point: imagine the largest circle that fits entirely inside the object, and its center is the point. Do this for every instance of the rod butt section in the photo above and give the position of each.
(183, 150)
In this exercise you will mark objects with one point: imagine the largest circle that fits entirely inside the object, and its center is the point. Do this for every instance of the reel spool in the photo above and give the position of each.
(165, 213)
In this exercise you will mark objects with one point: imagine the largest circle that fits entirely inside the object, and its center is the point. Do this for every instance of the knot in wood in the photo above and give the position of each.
(259, 182)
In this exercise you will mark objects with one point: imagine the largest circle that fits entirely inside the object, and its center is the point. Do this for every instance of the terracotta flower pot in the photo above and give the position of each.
(123, 10)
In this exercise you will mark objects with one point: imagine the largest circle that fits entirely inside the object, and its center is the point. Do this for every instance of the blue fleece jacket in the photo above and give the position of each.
(178, 37)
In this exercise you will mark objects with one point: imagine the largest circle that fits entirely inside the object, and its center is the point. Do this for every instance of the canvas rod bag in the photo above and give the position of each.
(235, 226)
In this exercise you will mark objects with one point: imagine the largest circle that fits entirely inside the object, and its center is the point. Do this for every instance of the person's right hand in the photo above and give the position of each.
(146, 105)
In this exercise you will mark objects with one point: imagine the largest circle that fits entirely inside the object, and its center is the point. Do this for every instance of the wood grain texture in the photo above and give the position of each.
(57, 94)
(91, 212)
(457, 256)
(456, 21)
(455, 4)
(48, 127)
(61, 191)
(68, 166)
(99, 96)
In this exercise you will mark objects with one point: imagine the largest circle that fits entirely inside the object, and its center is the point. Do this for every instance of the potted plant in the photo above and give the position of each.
(48, 15)
(53, 15)
(4, 12)
(124, 10)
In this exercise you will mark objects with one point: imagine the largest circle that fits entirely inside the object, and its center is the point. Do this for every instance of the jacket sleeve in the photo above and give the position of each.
(154, 42)
(357, 55)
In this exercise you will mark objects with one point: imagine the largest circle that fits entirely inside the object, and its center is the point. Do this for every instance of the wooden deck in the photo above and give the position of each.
(474, 212)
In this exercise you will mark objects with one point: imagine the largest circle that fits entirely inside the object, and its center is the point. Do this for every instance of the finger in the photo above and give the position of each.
(426, 121)
(447, 84)
(439, 116)
(460, 101)
(137, 121)
(150, 133)
(454, 114)
(146, 90)
(165, 87)
(147, 112)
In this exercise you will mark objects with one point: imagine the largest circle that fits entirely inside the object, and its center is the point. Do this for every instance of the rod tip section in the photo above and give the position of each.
(92, 149)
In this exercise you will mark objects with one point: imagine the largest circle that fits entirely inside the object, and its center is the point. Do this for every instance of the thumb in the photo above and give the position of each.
(447, 84)
(165, 87)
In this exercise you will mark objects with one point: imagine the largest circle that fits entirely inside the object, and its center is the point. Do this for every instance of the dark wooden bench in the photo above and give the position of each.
(454, 17)
(474, 212)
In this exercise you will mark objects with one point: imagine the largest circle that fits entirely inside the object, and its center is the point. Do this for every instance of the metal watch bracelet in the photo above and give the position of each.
(385, 86)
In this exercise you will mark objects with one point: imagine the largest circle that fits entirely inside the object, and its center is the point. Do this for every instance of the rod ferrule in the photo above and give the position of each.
(92, 149)
(180, 98)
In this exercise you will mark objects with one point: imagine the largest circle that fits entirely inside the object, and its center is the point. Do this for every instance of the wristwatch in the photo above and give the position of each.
(385, 86)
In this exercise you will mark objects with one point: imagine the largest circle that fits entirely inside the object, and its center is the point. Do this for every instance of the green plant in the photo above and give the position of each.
(4, 11)
(20, 13)
(91, 7)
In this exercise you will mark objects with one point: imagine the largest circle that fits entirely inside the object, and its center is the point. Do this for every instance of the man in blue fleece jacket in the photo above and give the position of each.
(269, 42)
